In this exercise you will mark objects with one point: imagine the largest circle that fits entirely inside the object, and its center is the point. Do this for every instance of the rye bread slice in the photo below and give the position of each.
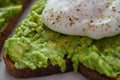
(93, 75)
(50, 69)
(10, 24)
(28, 73)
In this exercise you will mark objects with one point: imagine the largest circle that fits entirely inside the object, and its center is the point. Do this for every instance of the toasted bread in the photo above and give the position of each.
(93, 75)
(10, 24)
(27, 72)
(50, 69)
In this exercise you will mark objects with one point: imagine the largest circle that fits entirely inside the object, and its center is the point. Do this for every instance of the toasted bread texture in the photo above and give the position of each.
(10, 24)
(50, 69)
(27, 72)
(93, 75)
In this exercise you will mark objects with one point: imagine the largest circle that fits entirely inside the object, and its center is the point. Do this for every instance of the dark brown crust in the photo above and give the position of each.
(50, 69)
(10, 24)
(93, 75)
(27, 72)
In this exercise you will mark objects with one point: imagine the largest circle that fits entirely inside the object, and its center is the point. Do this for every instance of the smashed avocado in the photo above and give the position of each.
(8, 8)
(33, 45)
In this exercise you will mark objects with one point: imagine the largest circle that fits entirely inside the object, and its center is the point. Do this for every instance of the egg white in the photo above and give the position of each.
(93, 18)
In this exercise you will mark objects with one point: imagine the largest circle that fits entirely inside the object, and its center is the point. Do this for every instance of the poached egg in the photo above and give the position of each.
(93, 18)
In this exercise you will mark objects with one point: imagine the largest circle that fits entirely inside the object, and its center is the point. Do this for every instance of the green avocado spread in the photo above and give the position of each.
(8, 8)
(33, 45)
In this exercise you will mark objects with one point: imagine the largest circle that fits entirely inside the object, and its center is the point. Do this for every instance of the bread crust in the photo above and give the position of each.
(27, 72)
(10, 24)
(50, 69)
(93, 75)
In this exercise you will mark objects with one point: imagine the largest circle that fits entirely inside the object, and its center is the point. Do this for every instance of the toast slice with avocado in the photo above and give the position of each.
(36, 49)
(27, 72)
(14, 10)
(50, 70)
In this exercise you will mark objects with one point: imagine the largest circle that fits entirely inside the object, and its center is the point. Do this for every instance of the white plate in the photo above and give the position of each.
(65, 76)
